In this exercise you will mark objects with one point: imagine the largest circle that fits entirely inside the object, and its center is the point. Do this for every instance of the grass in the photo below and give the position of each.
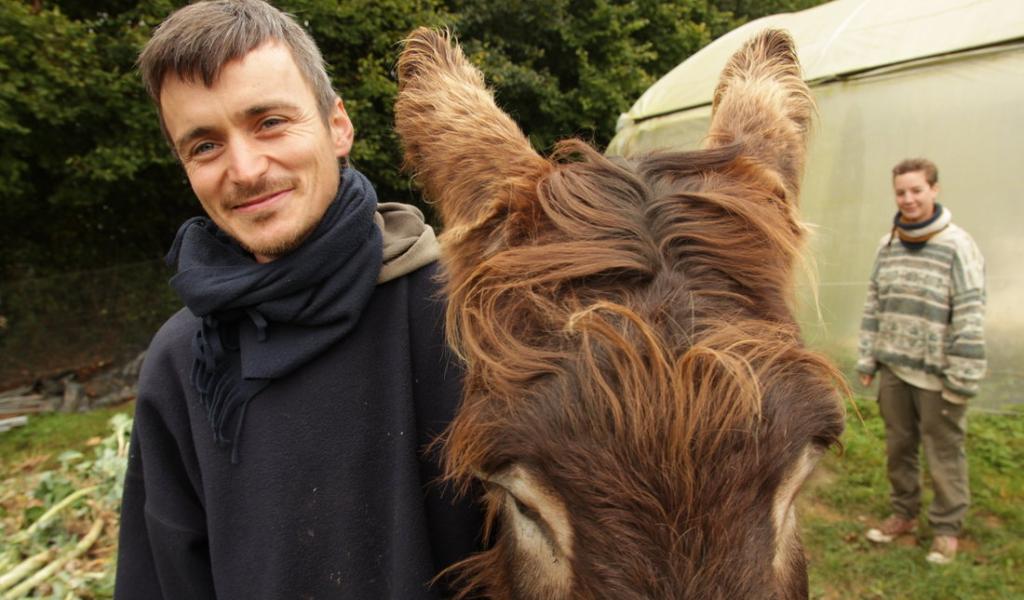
(35, 446)
(850, 493)
(60, 498)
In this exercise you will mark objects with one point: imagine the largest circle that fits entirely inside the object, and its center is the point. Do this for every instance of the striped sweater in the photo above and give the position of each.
(924, 313)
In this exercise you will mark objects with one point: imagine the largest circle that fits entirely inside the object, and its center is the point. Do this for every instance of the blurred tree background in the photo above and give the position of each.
(88, 182)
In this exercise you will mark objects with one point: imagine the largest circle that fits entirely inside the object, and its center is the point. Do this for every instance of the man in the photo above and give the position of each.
(923, 332)
(283, 416)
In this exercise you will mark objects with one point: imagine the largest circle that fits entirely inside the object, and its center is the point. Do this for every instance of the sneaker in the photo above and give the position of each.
(891, 528)
(943, 550)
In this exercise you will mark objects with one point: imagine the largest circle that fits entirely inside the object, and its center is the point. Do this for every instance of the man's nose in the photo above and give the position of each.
(248, 162)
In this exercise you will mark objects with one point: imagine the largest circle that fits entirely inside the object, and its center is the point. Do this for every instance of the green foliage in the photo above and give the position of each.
(85, 174)
(88, 180)
(564, 68)
(57, 515)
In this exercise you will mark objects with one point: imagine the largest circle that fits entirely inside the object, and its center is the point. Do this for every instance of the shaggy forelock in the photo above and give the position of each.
(631, 353)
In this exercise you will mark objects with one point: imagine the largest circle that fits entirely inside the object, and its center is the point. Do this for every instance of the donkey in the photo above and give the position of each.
(639, 406)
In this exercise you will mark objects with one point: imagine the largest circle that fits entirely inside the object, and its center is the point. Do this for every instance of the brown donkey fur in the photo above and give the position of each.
(638, 403)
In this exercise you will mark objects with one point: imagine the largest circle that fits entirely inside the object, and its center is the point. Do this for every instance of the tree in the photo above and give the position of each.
(564, 67)
(86, 176)
(89, 181)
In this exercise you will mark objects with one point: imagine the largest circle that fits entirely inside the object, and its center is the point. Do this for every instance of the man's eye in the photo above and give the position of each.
(202, 148)
(271, 122)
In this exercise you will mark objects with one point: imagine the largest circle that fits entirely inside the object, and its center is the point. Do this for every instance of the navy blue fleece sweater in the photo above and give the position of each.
(333, 496)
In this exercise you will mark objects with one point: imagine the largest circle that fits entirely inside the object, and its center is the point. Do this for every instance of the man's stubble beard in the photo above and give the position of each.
(276, 250)
(279, 248)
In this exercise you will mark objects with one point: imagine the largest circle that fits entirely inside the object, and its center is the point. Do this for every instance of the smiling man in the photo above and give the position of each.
(282, 416)
(923, 332)
(261, 159)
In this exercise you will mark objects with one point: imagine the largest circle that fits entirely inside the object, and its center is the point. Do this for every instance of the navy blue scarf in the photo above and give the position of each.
(260, 322)
(914, 236)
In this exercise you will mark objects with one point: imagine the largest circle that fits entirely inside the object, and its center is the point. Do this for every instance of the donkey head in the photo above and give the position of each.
(638, 403)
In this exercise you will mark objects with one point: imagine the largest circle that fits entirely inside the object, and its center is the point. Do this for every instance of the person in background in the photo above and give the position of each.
(282, 418)
(922, 334)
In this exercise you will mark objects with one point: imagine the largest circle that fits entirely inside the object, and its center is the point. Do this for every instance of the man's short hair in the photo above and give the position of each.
(912, 165)
(197, 40)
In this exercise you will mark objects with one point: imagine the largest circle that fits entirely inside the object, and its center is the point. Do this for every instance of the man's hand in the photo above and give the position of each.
(865, 380)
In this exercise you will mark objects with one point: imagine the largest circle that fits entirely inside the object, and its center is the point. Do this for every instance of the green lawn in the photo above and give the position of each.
(47, 435)
(850, 493)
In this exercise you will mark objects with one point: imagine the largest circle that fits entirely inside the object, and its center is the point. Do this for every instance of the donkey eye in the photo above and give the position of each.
(525, 509)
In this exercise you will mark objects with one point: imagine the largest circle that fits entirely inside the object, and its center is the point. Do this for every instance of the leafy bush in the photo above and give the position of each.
(88, 180)
(61, 524)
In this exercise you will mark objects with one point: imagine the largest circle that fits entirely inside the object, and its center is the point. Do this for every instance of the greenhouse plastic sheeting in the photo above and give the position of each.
(942, 79)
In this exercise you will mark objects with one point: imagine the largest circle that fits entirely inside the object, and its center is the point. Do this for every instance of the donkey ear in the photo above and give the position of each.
(763, 104)
(469, 156)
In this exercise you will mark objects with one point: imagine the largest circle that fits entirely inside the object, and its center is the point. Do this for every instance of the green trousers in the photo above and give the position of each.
(914, 416)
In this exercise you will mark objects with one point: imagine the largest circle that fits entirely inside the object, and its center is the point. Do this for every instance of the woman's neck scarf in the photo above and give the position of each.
(260, 322)
(914, 236)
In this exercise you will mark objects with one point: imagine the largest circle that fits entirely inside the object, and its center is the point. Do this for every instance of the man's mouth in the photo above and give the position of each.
(261, 202)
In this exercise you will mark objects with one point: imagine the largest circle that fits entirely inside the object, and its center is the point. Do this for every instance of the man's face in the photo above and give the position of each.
(915, 198)
(256, 150)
